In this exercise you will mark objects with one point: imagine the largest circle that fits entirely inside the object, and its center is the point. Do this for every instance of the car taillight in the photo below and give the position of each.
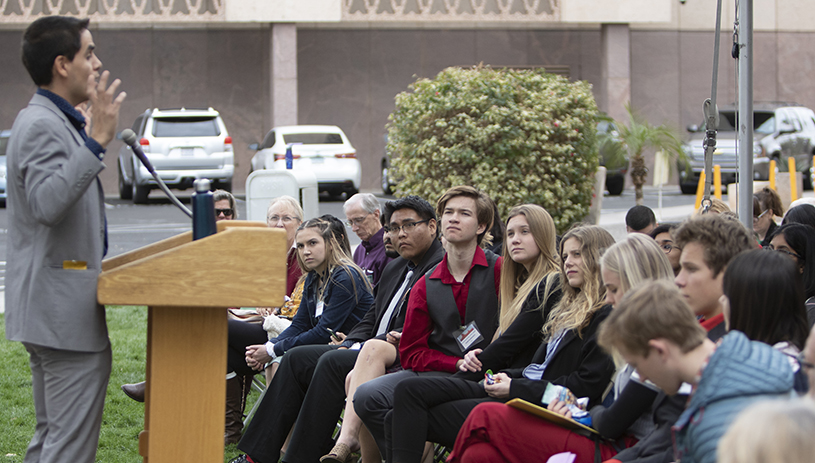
(144, 142)
(228, 141)
(345, 155)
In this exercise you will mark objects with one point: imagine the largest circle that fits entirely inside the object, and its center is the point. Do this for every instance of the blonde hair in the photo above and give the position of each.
(771, 430)
(516, 283)
(651, 310)
(578, 304)
(717, 206)
(636, 259)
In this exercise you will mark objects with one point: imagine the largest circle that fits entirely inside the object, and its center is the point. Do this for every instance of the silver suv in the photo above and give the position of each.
(780, 131)
(183, 145)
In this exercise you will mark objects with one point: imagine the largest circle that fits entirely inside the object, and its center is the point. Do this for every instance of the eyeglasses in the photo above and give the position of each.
(407, 227)
(225, 212)
(758, 217)
(668, 247)
(783, 251)
(356, 220)
(802, 361)
(278, 218)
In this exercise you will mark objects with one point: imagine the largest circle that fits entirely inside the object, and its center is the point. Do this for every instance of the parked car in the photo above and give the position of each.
(323, 149)
(183, 145)
(4, 136)
(780, 131)
(615, 161)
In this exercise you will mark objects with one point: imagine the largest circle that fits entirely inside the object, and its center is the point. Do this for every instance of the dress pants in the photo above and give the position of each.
(374, 400)
(429, 409)
(69, 397)
(241, 335)
(308, 392)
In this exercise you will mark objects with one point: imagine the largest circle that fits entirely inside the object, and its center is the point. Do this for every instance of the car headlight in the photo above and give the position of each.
(2, 171)
(758, 150)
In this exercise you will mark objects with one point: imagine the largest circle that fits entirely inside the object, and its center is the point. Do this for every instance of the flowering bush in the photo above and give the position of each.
(521, 136)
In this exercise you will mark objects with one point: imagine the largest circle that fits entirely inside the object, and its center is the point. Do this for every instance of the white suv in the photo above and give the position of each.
(183, 145)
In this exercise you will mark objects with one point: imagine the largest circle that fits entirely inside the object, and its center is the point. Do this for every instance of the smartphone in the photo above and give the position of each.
(488, 378)
(333, 334)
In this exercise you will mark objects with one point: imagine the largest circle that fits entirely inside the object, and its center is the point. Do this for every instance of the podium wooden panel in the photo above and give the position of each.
(187, 286)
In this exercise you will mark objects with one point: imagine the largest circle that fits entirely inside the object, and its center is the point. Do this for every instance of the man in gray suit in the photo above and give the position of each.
(58, 236)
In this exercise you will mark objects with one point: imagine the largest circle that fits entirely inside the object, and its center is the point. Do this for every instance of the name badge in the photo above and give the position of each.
(319, 310)
(468, 336)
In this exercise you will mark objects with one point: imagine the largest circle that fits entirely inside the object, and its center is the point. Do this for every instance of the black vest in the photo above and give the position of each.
(482, 307)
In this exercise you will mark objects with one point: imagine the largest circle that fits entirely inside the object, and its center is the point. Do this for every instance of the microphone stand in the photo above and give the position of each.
(129, 137)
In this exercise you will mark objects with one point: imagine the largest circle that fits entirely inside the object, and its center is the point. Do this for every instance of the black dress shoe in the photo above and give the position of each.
(135, 391)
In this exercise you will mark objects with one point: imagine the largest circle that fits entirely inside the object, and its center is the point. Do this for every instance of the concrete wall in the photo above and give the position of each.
(349, 77)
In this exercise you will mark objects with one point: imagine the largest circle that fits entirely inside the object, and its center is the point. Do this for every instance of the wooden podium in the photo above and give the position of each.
(188, 285)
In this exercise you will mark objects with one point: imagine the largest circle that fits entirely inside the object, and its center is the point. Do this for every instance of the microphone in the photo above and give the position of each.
(129, 137)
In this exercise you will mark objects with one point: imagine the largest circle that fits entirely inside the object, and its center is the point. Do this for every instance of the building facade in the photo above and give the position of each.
(263, 63)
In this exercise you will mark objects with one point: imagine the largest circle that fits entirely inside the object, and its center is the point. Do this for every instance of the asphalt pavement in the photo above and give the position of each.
(132, 226)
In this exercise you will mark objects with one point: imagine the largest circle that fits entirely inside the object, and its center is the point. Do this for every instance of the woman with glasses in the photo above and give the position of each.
(764, 299)
(766, 206)
(797, 242)
(662, 235)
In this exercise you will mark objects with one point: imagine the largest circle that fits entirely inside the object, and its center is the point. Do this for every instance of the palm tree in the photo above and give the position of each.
(637, 136)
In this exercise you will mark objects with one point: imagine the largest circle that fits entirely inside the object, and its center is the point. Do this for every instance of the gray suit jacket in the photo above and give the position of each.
(56, 215)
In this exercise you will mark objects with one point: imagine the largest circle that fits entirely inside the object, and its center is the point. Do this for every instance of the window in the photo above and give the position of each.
(199, 126)
(313, 138)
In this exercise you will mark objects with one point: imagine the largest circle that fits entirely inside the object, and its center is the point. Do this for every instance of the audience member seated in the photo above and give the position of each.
(309, 394)
(771, 431)
(225, 206)
(362, 211)
(662, 235)
(766, 206)
(640, 219)
(717, 206)
(802, 213)
(497, 232)
(640, 413)
(797, 241)
(708, 243)
(434, 409)
(807, 362)
(653, 330)
(452, 310)
(764, 299)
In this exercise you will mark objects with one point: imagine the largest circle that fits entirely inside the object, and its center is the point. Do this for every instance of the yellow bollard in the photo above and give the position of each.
(717, 181)
(700, 190)
(793, 179)
(772, 174)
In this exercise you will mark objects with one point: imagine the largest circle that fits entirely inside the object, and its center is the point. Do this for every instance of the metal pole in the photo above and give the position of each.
(746, 113)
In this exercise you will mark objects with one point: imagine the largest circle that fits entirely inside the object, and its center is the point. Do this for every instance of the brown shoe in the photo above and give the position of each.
(235, 401)
(135, 391)
(339, 454)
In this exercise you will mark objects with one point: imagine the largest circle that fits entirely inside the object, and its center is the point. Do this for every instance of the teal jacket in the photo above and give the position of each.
(739, 373)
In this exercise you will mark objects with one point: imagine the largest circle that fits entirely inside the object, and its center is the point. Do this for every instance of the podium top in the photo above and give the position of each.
(244, 265)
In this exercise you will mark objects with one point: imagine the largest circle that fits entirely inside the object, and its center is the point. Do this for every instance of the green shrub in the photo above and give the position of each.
(521, 136)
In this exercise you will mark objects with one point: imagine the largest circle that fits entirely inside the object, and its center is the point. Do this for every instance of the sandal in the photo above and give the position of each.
(339, 454)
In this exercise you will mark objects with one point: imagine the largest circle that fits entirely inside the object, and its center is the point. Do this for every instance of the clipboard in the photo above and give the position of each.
(559, 420)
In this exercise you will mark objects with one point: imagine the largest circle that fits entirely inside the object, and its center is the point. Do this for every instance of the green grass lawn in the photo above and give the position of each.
(123, 418)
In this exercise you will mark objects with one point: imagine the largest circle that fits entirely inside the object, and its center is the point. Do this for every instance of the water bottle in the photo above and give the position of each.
(203, 210)
(289, 157)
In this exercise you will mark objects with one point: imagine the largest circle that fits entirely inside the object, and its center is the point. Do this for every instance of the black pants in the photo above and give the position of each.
(308, 391)
(427, 408)
(241, 335)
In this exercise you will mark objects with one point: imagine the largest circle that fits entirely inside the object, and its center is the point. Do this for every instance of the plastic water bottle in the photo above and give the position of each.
(203, 210)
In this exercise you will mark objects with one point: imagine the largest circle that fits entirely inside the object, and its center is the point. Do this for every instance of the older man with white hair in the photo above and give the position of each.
(362, 211)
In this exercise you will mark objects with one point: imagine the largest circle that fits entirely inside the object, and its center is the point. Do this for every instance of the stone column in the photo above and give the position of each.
(615, 70)
(283, 74)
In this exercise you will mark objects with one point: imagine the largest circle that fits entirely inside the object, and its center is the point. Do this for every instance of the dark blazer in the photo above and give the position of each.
(347, 299)
(579, 364)
(517, 346)
(392, 277)
(56, 215)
